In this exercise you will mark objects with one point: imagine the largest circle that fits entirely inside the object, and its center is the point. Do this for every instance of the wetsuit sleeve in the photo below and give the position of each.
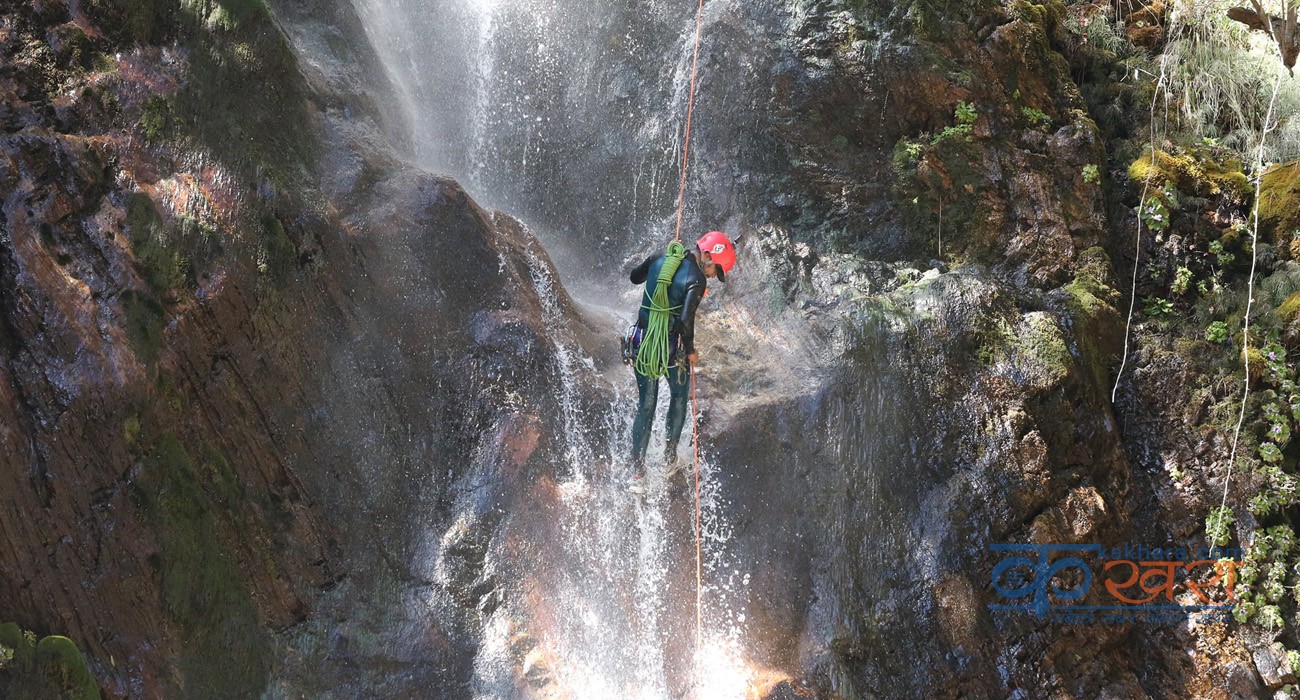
(640, 271)
(686, 322)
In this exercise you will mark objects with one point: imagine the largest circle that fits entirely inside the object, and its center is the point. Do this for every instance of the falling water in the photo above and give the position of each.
(495, 95)
(616, 566)
(566, 114)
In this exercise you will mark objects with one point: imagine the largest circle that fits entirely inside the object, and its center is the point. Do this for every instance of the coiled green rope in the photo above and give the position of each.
(652, 357)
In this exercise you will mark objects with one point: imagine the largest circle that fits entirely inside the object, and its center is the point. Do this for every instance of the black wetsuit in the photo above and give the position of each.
(684, 294)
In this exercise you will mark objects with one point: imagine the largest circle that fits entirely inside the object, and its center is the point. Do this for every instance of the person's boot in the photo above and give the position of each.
(672, 464)
(636, 482)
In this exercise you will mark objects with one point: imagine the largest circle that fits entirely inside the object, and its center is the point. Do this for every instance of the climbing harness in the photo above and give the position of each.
(631, 345)
(653, 356)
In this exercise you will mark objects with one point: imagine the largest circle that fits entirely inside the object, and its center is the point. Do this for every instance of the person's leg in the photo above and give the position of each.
(647, 395)
(679, 385)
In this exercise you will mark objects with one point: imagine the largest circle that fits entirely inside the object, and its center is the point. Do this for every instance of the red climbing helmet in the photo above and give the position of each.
(721, 250)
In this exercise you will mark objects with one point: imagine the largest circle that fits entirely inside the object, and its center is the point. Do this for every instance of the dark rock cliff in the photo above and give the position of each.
(279, 411)
(206, 424)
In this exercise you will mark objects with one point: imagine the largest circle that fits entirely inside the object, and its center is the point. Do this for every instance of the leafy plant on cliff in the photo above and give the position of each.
(1154, 212)
(1218, 527)
(1265, 577)
(1037, 118)
(965, 116)
(1155, 306)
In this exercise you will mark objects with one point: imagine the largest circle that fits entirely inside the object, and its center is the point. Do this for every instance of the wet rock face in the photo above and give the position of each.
(319, 451)
(883, 418)
(967, 407)
(804, 118)
(223, 391)
(953, 421)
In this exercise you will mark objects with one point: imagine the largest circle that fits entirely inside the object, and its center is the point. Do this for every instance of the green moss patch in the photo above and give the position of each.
(144, 326)
(1192, 172)
(50, 669)
(224, 649)
(1039, 350)
(944, 196)
(243, 100)
(1289, 309)
(279, 254)
(1096, 328)
(1279, 202)
(164, 268)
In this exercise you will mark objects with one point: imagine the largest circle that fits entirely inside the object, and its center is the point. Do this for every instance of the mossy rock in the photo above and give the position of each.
(1097, 328)
(1093, 268)
(1289, 309)
(50, 669)
(1258, 363)
(1279, 203)
(1145, 24)
(61, 661)
(144, 326)
(226, 650)
(1192, 173)
(21, 650)
(1040, 350)
(1193, 347)
(1047, 15)
(162, 264)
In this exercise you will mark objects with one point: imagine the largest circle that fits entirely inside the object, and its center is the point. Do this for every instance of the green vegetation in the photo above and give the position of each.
(278, 253)
(243, 102)
(225, 650)
(1195, 172)
(1220, 83)
(50, 669)
(927, 18)
(1266, 576)
(165, 268)
(1218, 527)
(1185, 116)
(1037, 118)
(1289, 310)
(936, 174)
(1221, 255)
(965, 116)
(1155, 306)
(1041, 342)
(1279, 204)
(144, 326)
(1093, 316)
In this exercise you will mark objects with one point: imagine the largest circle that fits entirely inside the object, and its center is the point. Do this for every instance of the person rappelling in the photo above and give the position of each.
(662, 341)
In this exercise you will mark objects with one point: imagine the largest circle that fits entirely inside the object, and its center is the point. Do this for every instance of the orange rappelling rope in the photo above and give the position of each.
(695, 421)
(699, 548)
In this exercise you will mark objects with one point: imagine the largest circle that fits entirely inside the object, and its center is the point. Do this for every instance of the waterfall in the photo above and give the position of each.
(507, 98)
(564, 113)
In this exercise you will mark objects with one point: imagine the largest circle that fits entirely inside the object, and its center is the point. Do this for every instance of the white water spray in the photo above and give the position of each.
(609, 608)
